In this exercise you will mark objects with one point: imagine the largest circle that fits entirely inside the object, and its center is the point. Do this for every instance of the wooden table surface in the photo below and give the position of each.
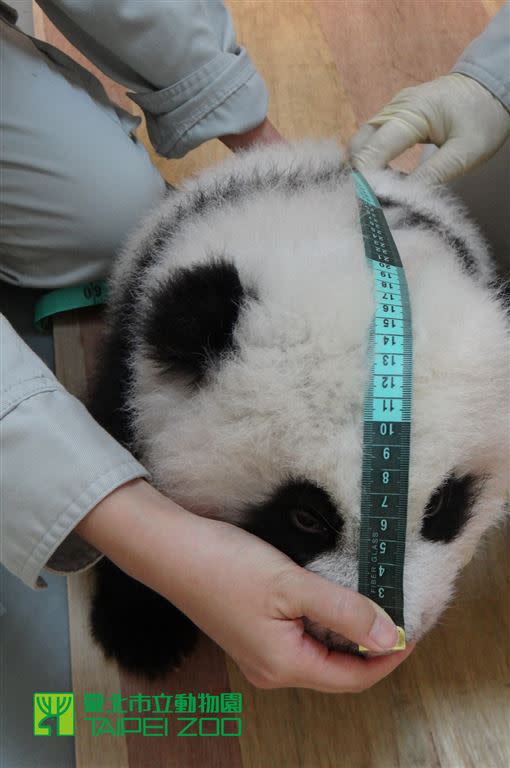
(328, 65)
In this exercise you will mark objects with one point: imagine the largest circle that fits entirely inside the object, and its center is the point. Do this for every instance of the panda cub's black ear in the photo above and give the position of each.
(193, 316)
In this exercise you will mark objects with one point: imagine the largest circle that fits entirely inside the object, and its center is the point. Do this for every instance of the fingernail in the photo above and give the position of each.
(384, 632)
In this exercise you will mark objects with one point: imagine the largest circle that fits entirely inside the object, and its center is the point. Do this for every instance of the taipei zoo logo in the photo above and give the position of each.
(53, 714)
(188, 714)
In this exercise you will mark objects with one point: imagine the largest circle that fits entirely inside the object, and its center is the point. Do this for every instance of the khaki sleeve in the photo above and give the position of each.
(56, 464)
(181, 59)
(487, 59)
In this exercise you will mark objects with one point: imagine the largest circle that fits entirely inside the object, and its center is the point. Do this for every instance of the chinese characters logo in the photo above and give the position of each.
(196, 714)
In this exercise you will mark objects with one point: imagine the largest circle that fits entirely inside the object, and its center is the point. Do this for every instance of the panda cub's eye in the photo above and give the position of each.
(308, 521)
(439, 499)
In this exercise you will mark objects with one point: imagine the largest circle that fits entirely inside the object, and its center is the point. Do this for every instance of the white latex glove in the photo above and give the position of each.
(454, 112)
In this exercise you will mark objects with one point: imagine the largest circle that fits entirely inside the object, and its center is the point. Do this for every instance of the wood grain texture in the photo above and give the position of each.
(75, 337)
(285, 40)
(205, 672)
(328, 66)
(492, 6)
(446, 706)
(91, 675)
(381, 47)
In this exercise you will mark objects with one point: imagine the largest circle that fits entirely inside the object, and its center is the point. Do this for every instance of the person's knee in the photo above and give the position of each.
(112, 198)
(74, 183)
(72, 231)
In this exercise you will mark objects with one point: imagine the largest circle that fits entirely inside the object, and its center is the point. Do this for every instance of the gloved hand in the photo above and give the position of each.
(455, 112)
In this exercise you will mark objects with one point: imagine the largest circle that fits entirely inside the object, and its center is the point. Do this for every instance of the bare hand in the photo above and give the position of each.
(265, 133)
(243, 593)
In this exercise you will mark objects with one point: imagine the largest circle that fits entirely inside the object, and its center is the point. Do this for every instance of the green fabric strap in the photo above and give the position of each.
(65, 299)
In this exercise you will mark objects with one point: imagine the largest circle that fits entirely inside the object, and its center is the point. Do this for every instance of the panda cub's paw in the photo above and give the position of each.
(137, 627)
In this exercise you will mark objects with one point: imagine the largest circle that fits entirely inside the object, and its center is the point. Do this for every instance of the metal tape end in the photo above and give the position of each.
(400, 646)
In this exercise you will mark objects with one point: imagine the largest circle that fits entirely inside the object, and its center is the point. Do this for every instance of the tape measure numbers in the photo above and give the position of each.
(387, 417)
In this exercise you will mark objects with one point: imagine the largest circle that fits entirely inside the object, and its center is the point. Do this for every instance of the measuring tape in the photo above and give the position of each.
(64, 299)
(387, 418)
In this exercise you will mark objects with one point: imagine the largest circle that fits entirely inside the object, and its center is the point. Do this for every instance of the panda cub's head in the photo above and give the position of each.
(243, 306)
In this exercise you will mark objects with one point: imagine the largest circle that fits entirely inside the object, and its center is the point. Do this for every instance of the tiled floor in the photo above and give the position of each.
(328, 65)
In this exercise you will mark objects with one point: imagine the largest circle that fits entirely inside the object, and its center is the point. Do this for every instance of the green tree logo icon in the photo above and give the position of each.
(53, 709)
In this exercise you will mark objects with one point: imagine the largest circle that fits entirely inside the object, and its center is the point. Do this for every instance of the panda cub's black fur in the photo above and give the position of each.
(236, 336)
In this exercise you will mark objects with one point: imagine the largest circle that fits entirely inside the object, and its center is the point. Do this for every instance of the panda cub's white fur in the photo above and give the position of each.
(284, 399)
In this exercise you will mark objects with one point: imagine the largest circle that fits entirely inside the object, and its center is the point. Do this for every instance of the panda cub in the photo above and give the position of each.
(235, 366)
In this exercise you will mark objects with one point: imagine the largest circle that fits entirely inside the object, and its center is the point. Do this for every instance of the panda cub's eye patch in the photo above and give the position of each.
(300, 519)
(449, 508)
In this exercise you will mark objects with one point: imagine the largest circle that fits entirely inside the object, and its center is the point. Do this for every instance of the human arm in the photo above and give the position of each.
(246, 595)
(265, 133)
(466, 113)
(180, 59)
(57, 464)
(69, 494)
